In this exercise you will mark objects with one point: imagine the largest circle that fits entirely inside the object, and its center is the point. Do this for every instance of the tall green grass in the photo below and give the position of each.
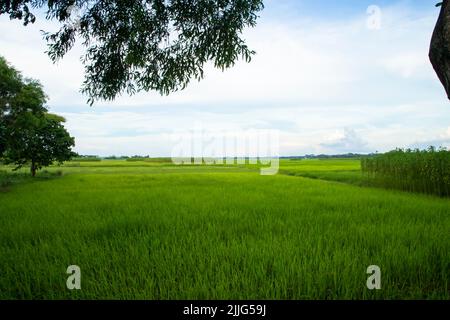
(152, 232)
(426, 171)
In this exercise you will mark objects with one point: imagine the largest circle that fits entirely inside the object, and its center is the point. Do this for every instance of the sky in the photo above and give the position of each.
(329, 76)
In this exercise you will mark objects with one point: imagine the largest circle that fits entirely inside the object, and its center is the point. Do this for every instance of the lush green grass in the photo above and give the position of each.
(158, 231)
(341, 170)
(321, 165)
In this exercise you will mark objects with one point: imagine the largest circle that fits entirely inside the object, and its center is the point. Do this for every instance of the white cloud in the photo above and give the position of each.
(442, 139)
(406, 64)
(447, 133)
(346, 140)
(310, 79)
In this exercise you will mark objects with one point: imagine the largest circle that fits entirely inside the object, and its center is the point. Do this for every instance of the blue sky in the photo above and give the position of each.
(322, 77)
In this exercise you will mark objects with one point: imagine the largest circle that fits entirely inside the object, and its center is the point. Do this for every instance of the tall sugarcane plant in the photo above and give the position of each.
(426, 171)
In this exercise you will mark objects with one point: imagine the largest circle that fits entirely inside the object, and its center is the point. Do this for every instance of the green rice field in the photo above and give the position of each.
(154, 230)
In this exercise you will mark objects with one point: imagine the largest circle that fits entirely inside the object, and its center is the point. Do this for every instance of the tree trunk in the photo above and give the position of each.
(440, 47)
(33, 169)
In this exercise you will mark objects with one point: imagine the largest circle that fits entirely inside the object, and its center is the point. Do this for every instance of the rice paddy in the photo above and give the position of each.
(153, 230)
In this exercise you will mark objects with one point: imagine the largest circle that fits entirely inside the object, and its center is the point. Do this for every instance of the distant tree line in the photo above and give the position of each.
(86, 158)
(329, 156)
(112, 157)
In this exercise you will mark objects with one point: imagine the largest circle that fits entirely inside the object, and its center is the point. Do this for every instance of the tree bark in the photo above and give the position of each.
(440, 47)
(33, 169)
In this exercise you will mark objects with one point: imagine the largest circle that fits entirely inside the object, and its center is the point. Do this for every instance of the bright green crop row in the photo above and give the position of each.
(426, 171)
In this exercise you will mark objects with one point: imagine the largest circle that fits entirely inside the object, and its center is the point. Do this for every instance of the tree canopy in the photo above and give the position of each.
(28, 133)
(17, 96)
(133, 45)
(39, 140)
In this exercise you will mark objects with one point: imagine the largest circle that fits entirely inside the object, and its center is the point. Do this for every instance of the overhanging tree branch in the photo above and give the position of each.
(134, 45)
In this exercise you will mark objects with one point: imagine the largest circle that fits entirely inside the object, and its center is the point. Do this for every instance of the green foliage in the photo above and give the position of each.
(10, 83)
(40, 140)
(145, 45)
(426, 171)
(28, 133)
(17, 96)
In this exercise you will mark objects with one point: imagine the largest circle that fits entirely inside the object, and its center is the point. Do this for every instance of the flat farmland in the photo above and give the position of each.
(153, 230)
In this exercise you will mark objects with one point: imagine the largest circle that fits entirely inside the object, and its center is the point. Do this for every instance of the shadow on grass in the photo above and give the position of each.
(8, 179)
(353, 177)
